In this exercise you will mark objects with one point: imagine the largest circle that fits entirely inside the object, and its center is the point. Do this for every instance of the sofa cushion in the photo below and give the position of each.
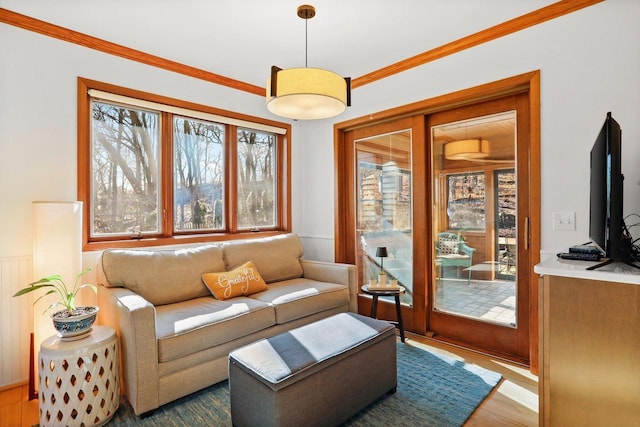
(297, 298)
(162, 276)
(191, 326)
(244, 280)
(277, 258)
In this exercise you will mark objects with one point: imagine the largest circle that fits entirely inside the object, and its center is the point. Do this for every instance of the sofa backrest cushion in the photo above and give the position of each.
(276, 258)
(162, 276)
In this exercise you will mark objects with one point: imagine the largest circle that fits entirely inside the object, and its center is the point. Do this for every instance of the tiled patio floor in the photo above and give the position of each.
(492, 301)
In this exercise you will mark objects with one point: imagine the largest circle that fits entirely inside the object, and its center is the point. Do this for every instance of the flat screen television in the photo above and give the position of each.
(606, 221)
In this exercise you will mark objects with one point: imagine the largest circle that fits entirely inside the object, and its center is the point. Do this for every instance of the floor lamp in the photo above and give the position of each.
(57, 249)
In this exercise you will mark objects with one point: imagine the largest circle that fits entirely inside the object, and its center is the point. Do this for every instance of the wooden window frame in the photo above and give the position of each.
(168, 236)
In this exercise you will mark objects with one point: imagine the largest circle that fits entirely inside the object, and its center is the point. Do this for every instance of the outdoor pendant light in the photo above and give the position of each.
(467, 149)
(307, 93)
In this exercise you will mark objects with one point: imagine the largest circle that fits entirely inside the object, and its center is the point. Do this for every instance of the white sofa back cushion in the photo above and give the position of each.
(162, 276)
(276, 258)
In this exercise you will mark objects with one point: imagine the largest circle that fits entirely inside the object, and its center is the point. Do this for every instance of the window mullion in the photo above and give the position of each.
(166, 174)
(283, 176)
(231, 170)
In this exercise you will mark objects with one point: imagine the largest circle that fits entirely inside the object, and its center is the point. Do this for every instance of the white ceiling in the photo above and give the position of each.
(241, 39)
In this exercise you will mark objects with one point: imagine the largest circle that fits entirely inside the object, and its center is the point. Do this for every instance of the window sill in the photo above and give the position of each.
(177, 240)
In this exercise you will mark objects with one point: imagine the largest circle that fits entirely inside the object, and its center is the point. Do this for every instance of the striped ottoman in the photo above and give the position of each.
(320, 374)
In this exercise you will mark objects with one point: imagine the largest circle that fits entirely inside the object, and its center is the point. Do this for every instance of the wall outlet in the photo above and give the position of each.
(564, 220)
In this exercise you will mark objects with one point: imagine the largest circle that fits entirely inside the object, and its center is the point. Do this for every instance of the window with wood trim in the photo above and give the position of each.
(153, 169)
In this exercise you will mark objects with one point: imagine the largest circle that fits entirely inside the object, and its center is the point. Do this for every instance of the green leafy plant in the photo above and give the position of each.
(461, 237)
(55, 285)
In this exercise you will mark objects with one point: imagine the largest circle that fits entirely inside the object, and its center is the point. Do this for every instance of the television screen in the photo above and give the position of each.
(606, 222)
(599, 190)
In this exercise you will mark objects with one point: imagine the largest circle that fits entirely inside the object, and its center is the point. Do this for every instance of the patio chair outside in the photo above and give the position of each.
(453, 251)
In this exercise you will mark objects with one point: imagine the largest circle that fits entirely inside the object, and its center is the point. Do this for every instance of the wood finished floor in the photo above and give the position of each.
(513, 403)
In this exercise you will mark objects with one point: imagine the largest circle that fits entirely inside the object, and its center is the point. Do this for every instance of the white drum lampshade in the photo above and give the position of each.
(57, 249)
(467, 149)
(306, 93)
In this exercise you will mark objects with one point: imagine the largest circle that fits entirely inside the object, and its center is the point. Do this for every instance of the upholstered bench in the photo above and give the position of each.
(320, 374)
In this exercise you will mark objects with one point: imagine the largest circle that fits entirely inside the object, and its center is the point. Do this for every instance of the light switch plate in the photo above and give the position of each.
(564, 220)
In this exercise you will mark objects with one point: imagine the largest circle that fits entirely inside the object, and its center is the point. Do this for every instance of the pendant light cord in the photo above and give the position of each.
(306, 12)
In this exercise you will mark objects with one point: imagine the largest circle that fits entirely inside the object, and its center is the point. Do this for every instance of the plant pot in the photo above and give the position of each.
(76, 325)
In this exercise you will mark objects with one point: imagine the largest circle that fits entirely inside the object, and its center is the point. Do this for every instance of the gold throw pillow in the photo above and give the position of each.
(243, 280)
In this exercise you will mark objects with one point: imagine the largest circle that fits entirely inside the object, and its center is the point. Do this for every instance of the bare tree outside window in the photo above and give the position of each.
(156, 171)
(506, 202)
(256, 180)
(466, 201)
(125, 159)
(198, 175)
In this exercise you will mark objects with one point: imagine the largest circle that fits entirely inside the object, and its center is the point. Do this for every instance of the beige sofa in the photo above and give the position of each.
(175, 336)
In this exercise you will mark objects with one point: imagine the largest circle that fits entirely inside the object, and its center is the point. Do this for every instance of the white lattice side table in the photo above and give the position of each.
(79, 381)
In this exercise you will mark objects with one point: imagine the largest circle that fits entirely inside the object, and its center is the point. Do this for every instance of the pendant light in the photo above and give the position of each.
(467, 149)
(307, 93)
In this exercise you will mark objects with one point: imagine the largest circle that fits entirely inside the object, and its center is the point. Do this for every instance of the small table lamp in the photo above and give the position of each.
(381, 252)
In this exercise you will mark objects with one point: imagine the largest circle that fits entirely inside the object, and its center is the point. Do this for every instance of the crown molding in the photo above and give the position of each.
(547, 13)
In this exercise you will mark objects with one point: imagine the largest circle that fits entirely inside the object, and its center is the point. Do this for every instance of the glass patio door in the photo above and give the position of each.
(378, 167)
(477, 295)
(384, 209)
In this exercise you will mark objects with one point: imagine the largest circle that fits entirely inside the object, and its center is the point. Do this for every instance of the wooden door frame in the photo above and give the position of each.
(344, 213)
(416, 124)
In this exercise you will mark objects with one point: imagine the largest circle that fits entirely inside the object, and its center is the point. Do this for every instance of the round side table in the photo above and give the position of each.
(391, 292)
(79, 380)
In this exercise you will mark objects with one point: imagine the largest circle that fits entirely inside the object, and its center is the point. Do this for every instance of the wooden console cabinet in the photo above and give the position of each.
(589, 345)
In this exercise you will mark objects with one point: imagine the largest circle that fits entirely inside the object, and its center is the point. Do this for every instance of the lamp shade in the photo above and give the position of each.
(306, 93)
(381, 252)
(467, 149)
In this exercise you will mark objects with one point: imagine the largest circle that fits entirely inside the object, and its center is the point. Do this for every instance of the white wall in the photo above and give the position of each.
(313, 188)
(589, 62)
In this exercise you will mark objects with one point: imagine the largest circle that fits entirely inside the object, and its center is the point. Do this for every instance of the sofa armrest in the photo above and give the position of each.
(133, 318)
(331, 272)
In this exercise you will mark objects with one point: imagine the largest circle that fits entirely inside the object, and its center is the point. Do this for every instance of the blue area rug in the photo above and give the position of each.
(433, 390)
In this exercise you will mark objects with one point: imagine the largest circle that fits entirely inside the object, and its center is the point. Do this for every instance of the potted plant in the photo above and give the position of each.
(72, 322)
